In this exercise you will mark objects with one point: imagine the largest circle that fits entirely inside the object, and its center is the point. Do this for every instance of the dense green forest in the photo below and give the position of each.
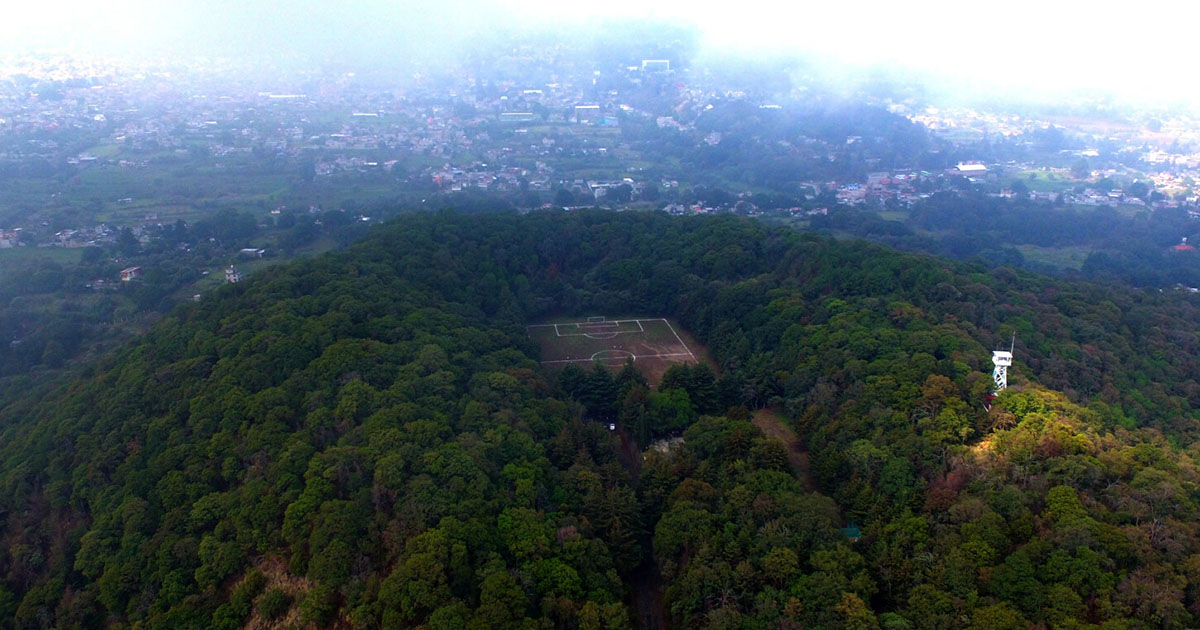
(365, 439)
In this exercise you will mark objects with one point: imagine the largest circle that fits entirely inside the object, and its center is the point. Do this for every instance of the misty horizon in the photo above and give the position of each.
(1036, 52)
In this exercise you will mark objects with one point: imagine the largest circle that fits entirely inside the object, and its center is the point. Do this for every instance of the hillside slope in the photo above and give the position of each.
(366, 439)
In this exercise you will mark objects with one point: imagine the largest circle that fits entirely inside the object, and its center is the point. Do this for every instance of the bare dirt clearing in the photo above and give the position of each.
(653, 344)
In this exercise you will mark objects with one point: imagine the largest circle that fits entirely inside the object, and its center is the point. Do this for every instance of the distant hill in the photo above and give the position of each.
(366, 439)
(1101, 244)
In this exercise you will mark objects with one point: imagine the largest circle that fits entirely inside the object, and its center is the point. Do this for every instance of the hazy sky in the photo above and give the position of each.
(1142, 48)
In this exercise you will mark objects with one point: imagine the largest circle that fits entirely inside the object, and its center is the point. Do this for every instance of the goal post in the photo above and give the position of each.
(595, 319)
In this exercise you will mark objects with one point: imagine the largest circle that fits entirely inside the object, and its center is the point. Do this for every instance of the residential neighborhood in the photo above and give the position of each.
(113, 155)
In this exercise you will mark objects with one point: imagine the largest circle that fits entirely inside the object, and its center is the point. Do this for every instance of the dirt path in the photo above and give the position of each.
(774, 425)
(646, 589)
(630, 453)
(648, 598)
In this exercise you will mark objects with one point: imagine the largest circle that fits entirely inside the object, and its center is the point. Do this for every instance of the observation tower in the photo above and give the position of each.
(1002, 360)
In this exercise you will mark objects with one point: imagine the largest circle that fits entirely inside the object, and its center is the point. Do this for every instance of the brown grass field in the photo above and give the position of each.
(653, 344)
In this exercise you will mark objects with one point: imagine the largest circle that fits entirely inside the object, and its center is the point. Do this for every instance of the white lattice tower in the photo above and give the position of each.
(1002, 359)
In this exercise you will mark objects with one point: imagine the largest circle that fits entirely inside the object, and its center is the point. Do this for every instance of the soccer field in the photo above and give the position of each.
(653, 344)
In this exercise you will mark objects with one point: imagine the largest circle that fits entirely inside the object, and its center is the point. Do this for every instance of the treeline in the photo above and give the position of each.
(365, 439)
(1132, 249)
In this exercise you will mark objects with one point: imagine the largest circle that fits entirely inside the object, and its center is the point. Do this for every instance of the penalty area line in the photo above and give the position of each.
(634, 356)
(611, 321)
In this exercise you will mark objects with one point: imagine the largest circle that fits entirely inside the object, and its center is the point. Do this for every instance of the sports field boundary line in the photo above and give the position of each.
(611, 321)
(558, 333)
(677, 338)
(634, 356)
(582, 326)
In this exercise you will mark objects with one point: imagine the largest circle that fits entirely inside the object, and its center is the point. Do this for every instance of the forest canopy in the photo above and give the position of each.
(366, 439)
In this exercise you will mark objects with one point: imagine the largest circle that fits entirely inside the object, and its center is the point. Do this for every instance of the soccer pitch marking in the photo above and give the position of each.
(628, 355)
(677, 338)
(610, 334)
(601, 328)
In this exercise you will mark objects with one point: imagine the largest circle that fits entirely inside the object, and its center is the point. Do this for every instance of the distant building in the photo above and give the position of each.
(129, 273)
(971, 170)
(656, 65)
(587, 113)
(232, 275)
(517, 117)
(878, 179)
(251, 252)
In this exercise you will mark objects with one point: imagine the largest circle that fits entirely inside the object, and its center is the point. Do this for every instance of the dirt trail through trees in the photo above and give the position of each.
(774, 425)
(647, 588)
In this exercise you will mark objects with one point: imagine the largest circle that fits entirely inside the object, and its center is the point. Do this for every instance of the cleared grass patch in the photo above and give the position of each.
(1059, 257)
(64, 255)
(1046, 181)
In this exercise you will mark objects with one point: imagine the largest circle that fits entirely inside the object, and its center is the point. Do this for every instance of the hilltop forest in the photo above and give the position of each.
(365, 439)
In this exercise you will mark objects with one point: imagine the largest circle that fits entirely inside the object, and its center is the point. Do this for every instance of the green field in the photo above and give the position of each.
(1060, 257)
(60, 255)
(104, 150)
(1045, 181)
